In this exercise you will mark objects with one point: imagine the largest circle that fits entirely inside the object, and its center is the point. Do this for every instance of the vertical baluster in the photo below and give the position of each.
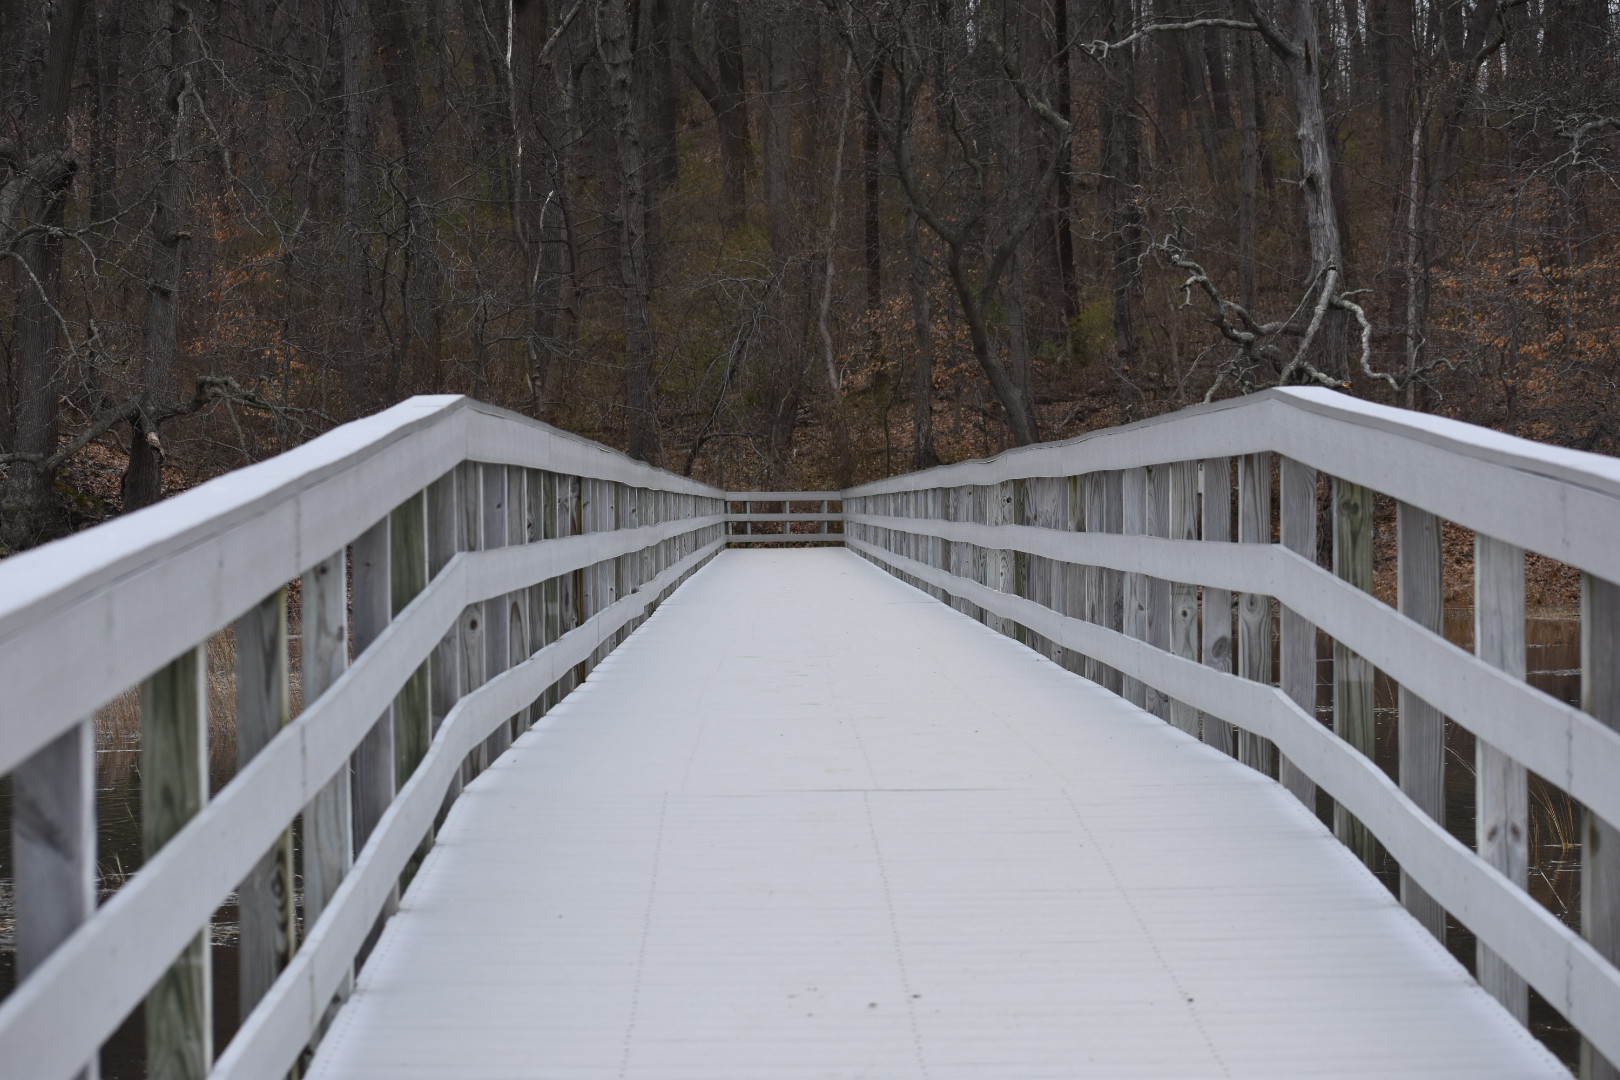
(1352, 674)
(443, 541)
(1501, 793)
(53, 848)
(1600, 840)
(1422, 729)
(497, 622)
(1134, 495)
(534, 597)
(961, 555)
(1093, 595)
(1254, 610)
(328, 819)
(517, 631)
(1046, 575)
(551, 528)
(1071, 579)
(470, 647)
(374, 767)
(1183, 525)
(1113, 581)
(1158, 589)
(413, 727)
(1217, 513)
(1296, 487)
(174, 787)
(265, 898)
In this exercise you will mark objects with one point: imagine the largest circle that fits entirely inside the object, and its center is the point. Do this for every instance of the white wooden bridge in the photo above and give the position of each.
(977, 772)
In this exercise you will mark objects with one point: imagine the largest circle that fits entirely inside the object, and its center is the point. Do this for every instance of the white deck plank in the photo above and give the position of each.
(807, 822)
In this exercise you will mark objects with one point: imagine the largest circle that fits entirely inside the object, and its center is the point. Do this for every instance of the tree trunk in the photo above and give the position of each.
(29, 512)
(615, 45)
(143, 481)
(923, 454)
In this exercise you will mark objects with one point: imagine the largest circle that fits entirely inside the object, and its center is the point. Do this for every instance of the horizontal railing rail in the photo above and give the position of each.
(821, 525)
(476, 564)
(1116, 554)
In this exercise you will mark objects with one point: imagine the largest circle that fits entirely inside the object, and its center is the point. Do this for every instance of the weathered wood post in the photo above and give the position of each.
(1217, 513)
(375, 771)
(1113, 581)
(1071, 580)
(1049, 495)
(1093, 591)
(53, 848)
(1501, 791)
(961, 555)
(1297, 649)
(1352, 674)
(1158, 589)
(496, 620)
(1254, 610)
(470, 646)
(329, 818)
(408, 576)
(1183, 525)
(1600, 840)
(1422, 729)
(517, 630)
(268, 926)
(443, 542)
(1134, 493)
(174, 787)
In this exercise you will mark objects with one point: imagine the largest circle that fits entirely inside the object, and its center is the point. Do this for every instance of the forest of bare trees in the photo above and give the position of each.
(786, 242)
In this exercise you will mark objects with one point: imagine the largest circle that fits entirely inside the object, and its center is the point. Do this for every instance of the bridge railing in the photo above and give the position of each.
(1116, 554)
(771, 517)
(455, 569)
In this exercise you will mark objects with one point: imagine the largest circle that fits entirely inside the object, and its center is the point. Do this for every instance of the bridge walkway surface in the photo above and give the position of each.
(809, 822)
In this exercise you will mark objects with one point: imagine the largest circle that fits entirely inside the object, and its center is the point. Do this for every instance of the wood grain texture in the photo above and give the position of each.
(1501, 788)
(1254, 609)
(174, 787)
(497, 626)
(268, 925)
(53, 850)
(413, 721)
(1352, 673)
(1600, 840)
(1158, 588)
(1134, 507)
(1093, 598)
(1296, 488)
(328, 836)
(1422, 729)
(1183, 525)
(374, 768)
(1216, 508)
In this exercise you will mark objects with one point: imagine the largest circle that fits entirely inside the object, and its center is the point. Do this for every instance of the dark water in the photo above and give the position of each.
(1554, 666)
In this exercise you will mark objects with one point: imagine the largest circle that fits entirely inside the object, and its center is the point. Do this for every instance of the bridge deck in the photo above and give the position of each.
(808, 822)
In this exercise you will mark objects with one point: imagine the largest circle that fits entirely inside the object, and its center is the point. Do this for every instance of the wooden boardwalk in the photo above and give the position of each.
(809, 822)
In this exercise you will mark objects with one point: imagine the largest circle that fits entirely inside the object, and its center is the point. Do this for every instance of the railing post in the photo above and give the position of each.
(443, 541)
(374, 764)
(470, 630)
(1048, 494)
(514, 609)
(1183, 525)
(53, 848)
(497, 624)
(1600, 840)
(1072, 579)
(1134, 493)
(960, 555)
(1158, 589)
(1422, 729)
(408, 576)
(268, 925)
(551, 525)
(329, 818)
(174, 787)
(1352, 674)
(1217, 514)
(1501, 792)
(1254, 610)
(1113, 581)
(1297, 524)
(1093, 599)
